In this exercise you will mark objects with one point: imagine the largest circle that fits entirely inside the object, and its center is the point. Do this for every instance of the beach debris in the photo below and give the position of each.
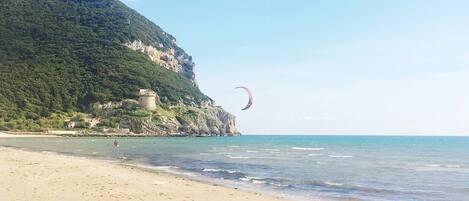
(250, 97)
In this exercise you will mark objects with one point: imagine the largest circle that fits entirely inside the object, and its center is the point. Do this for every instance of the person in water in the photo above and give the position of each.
(116, 144)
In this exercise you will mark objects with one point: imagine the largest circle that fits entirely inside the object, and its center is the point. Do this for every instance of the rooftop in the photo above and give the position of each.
(147, 92)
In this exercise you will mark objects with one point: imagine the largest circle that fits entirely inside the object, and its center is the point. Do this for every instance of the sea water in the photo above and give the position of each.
(351, 167)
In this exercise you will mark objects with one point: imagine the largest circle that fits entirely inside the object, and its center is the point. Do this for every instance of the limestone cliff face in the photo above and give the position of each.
(212, 121)
(174, 59)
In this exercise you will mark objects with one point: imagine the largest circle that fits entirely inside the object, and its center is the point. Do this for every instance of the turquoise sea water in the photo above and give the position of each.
(361, 167)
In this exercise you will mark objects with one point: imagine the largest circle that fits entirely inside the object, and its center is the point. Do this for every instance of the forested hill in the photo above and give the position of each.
(62, 55)
(80, 61)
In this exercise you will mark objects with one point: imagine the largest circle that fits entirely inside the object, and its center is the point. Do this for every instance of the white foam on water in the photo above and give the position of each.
(308, 148)
(278, 185)
(204, 154)
(251, 151)
(428, 169)
(244, 179)
(248, 178)
(94, 153)
(275, 152)
(314, 154)
(255, 180)
(258, 182)
(272, 149)
(268, 158)
(443, 165)
(231, 171)
(237, 157)
(441, 168)
(340, 156)
(211, 170)
(334, 184)
(218, 170)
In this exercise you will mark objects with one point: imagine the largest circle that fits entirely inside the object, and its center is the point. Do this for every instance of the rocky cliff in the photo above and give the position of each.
(170, 58)
(210, 122)
(167, 120)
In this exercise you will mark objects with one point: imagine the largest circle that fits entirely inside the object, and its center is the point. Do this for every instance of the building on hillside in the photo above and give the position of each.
(148, 99)
(71, 125)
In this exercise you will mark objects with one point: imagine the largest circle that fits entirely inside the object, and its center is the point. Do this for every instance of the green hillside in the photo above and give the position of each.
(62, 55)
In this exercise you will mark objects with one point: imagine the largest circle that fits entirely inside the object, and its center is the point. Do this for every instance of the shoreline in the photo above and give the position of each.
(29, 175)
(26, 135)
(19, 134)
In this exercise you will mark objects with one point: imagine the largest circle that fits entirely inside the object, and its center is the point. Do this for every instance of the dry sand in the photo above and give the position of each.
(19, 135)
(32, 176)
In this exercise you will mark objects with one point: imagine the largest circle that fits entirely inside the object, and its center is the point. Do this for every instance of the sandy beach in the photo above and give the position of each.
(32, 176)
(20, 135)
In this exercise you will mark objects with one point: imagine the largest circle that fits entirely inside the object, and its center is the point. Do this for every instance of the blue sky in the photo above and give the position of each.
(328, 67)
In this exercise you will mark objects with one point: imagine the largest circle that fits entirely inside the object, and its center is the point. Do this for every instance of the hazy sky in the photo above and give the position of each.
(328, 67)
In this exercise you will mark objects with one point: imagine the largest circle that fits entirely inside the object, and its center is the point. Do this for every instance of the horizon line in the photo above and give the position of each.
(349, 134)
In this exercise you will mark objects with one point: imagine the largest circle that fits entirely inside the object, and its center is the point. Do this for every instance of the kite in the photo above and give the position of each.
(250, 97)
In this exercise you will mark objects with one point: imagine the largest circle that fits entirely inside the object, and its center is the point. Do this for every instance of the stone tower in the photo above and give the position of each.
(148, 99)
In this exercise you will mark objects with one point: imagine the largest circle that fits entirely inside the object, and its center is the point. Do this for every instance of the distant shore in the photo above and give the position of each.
(44, 177)
(23, 134)
(26, 134)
